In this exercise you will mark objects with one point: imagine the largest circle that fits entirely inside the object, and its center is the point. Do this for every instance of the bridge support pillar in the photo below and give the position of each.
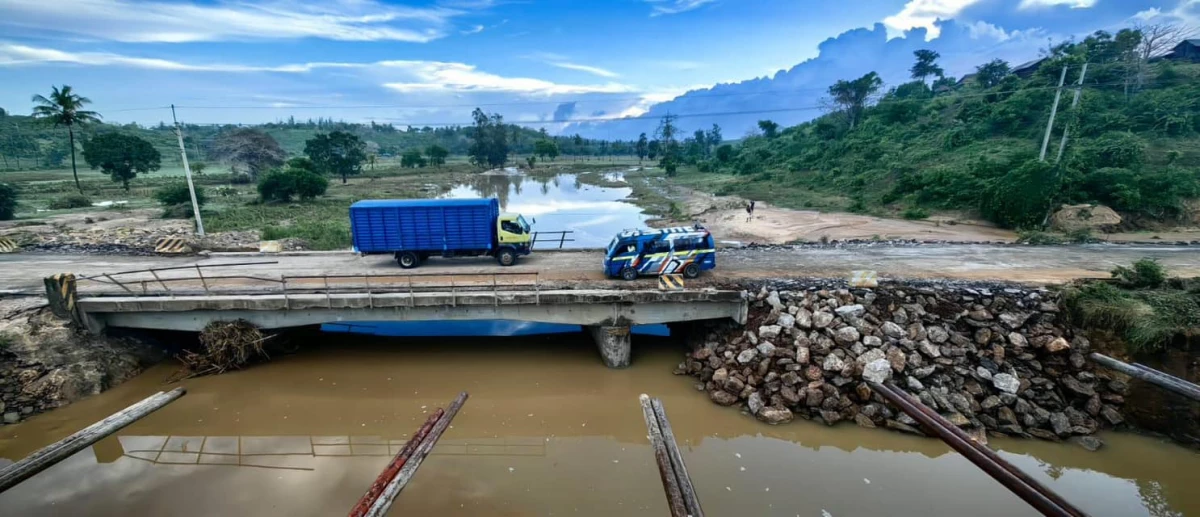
(614, 344)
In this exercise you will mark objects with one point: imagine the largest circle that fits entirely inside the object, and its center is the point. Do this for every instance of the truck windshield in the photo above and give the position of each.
(524, 225)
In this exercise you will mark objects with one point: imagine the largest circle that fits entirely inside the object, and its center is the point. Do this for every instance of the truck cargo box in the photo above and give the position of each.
(423, 225)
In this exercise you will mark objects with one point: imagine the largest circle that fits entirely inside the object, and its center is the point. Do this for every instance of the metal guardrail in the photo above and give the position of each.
(562, 238)
(328, 285)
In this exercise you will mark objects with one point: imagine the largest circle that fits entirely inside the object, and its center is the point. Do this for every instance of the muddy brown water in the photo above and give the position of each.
(547, 431)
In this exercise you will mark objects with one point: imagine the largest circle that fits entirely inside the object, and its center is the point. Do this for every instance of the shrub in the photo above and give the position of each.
(240, 178)
(283, 185)
(178, 194)
(70, 201)
(1144, 273)
(1081, 236)
(915, 213)
(180, 211)
(1037, 238)
(8, 201)
(1020, 198)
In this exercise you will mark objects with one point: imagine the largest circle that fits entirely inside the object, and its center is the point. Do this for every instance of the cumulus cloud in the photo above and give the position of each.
(1186, 12)
(434, 76)
(924, 14)
(661, 7)
(190, 21)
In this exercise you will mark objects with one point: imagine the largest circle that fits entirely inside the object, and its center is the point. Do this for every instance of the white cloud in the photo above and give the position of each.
(1186, 12)
(662, 7)
(984, 30)
(403, 76)
(178, 22)
(1074, 4)
(923, 13)
(473, 30)
(594, 70)
(434, 76)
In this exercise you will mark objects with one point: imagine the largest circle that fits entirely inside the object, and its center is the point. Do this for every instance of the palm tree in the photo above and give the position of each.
(64, 108)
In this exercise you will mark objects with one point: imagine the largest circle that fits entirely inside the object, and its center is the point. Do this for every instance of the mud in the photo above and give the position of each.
(547, 431)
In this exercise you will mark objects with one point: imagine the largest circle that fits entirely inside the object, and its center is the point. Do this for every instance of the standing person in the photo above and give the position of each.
(750, 211)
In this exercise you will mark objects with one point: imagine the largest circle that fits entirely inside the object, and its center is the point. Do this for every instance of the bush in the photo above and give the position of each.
(180, 211)
(1081, 236)
(1144, 273)
(240, 178)
(283, 185)
(1022, 197)
(177, 194)
(8, 201)
(70, 201)
(1038, 238)
(915, 213)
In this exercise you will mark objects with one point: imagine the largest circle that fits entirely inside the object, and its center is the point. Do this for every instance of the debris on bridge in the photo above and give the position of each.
(225, 346)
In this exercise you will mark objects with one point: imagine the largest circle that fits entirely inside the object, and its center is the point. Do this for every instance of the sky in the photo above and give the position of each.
(566, 65)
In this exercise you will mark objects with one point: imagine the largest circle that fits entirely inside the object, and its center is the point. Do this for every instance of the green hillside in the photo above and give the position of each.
(973, 146)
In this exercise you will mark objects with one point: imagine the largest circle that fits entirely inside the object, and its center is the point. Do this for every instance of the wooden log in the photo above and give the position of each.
(681, 474)
(1145, 373)
(393, 489)
(54, 453)
(666, 470)
(389, 472)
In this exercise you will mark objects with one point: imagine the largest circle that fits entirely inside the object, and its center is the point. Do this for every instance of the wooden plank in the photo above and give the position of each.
(393, 489)
(47, 456)
(681, 474)
(665, 469)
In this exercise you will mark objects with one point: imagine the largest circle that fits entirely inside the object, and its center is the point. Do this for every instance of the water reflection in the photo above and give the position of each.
(560, 202)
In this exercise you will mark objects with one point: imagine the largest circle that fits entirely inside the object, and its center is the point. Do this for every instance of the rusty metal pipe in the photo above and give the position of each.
(1033, 483)
(394, 466)
(967, 448)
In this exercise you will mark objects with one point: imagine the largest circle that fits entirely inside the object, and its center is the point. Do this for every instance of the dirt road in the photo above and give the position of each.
(24, 271)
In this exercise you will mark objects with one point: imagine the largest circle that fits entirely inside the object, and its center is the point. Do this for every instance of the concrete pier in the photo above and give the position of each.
(614, 344)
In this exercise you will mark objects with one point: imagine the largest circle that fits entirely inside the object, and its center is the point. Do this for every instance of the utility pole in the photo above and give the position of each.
(1074, 104)
(187, 171)
(1053, 110)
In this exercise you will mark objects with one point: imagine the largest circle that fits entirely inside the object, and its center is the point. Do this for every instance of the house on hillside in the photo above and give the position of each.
(1186, 50)
(1026, 70)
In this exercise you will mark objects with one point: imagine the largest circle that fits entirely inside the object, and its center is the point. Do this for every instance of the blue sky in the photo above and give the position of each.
(430, 62)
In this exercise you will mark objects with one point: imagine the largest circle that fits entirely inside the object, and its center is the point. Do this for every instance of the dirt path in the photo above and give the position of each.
(726, 217)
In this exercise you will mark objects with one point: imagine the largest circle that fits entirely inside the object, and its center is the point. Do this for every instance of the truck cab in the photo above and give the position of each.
(512, 231)
(685, 250)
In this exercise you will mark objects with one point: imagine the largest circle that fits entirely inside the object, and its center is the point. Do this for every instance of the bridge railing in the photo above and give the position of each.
(550, 238)
(154, 282)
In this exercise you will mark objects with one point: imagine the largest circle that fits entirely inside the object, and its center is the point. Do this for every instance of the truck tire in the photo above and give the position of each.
(408, 259)
(691, 271)
(506, 257)
(629, 274)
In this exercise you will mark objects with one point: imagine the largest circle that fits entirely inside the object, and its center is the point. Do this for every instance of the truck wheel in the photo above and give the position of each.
(506, 257)
(629, 273)
(408, 259)
(691, 271)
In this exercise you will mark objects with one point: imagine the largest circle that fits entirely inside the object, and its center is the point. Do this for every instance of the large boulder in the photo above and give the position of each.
(1078, 217)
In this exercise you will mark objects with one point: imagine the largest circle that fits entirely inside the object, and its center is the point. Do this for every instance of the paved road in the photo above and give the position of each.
(24, 271)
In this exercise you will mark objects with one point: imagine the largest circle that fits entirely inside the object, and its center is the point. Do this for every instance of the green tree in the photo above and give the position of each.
(769, 128)
(489, 140)
(8, 201)
(991, 73)
(299, 181)
(714, 136)
(852, 96)
(926, 65)
(545, 148)
(65, 108)
(121, 156)
(725, 153)
(248, 147)
(178, 194)
(338, 153)
(669, 145)
(437, 155)
(652, 149)
(412, 159)
(198, 167)
(642, 148)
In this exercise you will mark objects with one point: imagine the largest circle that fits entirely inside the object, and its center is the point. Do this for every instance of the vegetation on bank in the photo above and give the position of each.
(974, 144)
(1141, 304)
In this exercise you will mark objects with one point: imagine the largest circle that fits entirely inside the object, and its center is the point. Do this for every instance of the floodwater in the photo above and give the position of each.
(560, 202)
(547, 431)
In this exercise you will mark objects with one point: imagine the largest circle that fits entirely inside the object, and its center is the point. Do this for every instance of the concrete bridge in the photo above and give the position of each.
(607, 314)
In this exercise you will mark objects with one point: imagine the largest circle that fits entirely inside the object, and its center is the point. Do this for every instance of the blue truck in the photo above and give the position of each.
(686, 250)
(415, 229)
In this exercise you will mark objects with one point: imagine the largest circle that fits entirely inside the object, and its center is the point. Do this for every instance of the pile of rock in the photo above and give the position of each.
(992, 358)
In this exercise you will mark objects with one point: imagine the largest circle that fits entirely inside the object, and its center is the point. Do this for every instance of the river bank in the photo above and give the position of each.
(547, 431)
